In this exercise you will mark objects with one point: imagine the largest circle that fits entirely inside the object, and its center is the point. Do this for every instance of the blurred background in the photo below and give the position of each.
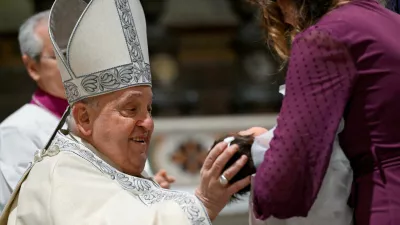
(212, 74)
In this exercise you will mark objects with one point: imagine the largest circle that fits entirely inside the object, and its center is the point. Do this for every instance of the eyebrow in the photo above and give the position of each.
(134, 94)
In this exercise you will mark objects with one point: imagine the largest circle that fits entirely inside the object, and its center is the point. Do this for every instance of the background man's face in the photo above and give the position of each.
(45, 70)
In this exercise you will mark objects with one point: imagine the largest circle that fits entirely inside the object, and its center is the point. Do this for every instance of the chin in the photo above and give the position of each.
(141, 166)
(133, 171)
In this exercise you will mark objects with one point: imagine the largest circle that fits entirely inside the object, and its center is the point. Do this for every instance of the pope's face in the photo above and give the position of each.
(122, 127)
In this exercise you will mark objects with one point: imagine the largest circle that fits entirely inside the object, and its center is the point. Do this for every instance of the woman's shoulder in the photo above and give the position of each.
(327, 29)
(355, 21)
(320, 36)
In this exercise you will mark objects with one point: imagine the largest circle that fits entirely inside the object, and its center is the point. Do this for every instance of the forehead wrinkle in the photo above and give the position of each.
(131, 95)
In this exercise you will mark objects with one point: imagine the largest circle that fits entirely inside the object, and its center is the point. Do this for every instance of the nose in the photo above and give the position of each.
(147, 123)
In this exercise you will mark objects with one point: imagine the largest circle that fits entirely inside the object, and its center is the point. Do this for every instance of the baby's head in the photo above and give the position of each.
(244, 143)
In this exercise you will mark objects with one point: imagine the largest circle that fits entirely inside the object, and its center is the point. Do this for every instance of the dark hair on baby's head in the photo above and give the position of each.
(244, 143)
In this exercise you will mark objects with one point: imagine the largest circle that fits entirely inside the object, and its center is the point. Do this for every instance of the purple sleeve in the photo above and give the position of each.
(318, 84)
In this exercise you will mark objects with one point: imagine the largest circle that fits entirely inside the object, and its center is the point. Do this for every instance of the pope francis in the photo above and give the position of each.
(92, 173)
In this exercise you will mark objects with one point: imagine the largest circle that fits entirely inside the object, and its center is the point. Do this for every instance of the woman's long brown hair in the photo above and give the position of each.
(279, 35)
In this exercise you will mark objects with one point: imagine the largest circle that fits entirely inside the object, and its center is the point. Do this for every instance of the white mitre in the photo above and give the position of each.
(100, 45)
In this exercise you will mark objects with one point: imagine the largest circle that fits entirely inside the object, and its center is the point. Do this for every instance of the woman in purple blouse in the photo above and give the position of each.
(344, 62)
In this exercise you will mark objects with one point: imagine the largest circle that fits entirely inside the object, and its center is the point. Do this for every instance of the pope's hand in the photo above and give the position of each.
(254, 131)
(213, 194)
(163, 179)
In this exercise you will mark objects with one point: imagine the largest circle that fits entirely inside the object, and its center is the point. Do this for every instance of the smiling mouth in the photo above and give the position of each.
(139, 140)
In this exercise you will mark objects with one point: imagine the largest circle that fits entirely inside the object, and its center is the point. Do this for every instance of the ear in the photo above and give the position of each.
(83, 118)
(32, 67)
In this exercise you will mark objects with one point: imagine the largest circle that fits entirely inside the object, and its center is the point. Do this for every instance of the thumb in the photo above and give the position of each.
(245, 133)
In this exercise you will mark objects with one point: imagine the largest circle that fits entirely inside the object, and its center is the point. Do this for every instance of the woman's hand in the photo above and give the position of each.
(211, 192)
(254, 131)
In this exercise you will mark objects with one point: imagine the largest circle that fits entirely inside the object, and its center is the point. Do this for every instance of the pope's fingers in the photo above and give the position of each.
(213, 154)
(222, 159)
(239, 185)
(171, 179)
(235, 168)
(165, 184)
(161, 173)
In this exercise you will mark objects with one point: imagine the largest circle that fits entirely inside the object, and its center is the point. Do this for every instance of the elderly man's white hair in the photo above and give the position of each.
(30, 43)
(71, 123)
